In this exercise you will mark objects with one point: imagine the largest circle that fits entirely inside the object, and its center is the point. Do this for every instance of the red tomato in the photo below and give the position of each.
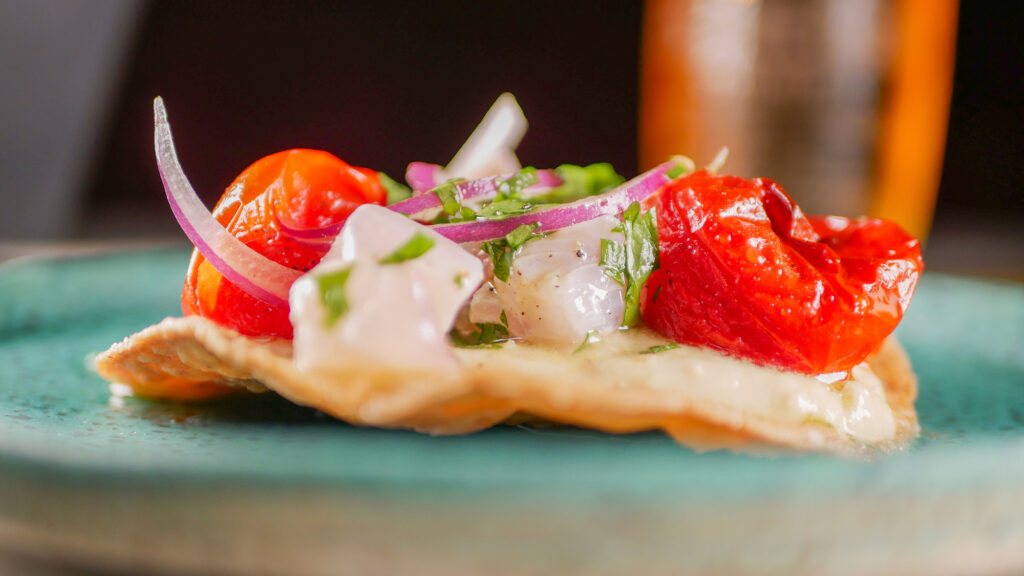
(743, 270)
(300, 188)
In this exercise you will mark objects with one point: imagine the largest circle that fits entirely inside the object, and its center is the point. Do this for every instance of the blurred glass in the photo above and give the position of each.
(843, 102)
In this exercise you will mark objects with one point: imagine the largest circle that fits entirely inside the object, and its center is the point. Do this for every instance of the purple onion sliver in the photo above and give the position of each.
(547, 179)
(314, 235)
(416, 204)
(254, 273)
(471, 189)
(612, 202)
(422, 176)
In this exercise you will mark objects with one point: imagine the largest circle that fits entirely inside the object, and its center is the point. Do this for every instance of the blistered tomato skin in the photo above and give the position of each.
(294, 189)
(744, 271)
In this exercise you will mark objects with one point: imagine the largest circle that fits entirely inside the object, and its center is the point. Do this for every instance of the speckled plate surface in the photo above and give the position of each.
(261, 486)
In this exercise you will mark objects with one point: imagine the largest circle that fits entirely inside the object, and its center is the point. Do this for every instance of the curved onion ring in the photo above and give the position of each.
(254, 273)
(470, 189)
(613, 202)
(423, 177)
(311, 236)
(465, 190)
(270, 282)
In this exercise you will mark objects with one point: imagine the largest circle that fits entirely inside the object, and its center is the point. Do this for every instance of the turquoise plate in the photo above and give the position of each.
(261, 486)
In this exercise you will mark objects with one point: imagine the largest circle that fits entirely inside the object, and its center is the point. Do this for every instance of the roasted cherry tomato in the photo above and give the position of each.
(290, 190)
(744, 271)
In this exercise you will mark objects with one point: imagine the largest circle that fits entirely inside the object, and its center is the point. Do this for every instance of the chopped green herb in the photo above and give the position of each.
(501, 209)
(492, 333)
(460, 278)
(660, 348)
(521, 235)
(489, 335)
(591, 337)
(683, 165)
(514, 185)
(632, 262)
(504, 319)
(508, 200)
(580, 182)
(452, 209)
(613, 258)
(503, 250)
(417, 246)
(396, 191)
(501, 257)
(451, 203)
(332, 294)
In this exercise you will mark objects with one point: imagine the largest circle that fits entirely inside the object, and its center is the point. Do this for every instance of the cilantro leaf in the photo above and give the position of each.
(491, 335)
(660, 348)
(580, 182)
(514, 185)
(416, 246)
(502, 251)
(451, 203)
(499, 209)
(508, 199)
(332, 294)
(521, 235)
(682, 165)
(501, 257)
(591, 337)
(631, 263)
(613, 258)
(396, 191)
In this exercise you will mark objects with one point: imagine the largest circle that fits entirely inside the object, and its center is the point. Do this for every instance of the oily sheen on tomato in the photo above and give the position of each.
(743, 270)
(291, 190)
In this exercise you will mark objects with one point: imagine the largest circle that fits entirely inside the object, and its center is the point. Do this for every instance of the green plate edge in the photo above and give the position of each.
(964, 337)
(265, 486)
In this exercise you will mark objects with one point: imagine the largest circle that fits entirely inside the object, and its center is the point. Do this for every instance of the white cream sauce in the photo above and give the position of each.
(856, 407)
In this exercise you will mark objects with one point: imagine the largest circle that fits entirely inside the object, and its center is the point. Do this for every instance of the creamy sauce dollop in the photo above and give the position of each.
(856, 407)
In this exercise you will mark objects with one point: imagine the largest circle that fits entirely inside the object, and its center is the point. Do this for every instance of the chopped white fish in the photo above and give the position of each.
(399, 313)
(557, 291)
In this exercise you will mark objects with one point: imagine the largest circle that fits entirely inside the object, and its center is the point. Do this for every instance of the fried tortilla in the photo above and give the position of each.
(617, 387)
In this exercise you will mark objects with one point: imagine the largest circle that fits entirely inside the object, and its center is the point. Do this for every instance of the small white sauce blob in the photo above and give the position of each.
(398, 314)
(557, 291)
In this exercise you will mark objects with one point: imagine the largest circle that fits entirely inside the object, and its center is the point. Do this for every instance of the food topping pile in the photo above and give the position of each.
(336, 266)
(557, 257)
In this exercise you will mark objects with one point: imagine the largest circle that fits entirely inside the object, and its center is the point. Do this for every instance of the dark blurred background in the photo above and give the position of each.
(383, 83)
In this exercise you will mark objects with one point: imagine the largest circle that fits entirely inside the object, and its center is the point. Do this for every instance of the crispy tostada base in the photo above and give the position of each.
(193, 358)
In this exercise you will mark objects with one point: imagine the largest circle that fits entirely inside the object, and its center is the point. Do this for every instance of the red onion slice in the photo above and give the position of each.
(471, 189)
(310, 236)
(547, 179)
(422, 176)
(254, 273)
(466, 190)
(612, 202)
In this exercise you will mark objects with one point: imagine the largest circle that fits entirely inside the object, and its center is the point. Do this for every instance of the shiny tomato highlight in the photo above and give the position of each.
(742, 270)
(300, 189)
